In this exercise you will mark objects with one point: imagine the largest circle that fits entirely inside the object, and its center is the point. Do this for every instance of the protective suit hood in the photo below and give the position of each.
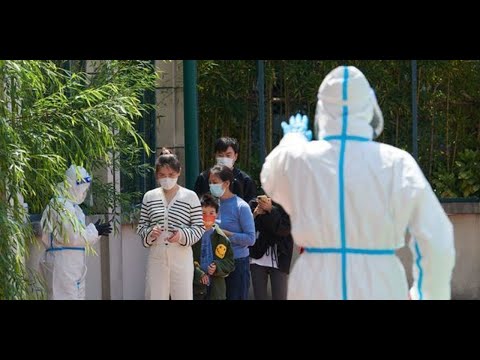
(346, 93)
(79, 180)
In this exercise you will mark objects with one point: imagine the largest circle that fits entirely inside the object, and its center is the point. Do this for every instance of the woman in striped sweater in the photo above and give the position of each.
(170, 223)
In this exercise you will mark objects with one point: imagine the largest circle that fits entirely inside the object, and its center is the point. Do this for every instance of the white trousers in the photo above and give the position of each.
(64, 272)
(169, 272)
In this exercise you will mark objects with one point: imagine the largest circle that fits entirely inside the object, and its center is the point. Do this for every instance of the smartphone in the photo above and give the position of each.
(262, 197)
(173, 232)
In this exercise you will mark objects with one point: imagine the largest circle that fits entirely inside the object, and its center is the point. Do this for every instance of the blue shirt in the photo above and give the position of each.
(235, 216)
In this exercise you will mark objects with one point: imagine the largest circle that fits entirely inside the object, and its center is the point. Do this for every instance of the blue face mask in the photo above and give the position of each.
(217, 190)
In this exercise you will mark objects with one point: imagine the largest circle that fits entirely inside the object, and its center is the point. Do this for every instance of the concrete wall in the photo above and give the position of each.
(170, 117)
(465, 279)
(466, 275)
(134, 264)
(93, 282)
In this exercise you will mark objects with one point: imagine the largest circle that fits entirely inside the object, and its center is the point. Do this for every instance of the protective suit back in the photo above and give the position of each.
(351, 200)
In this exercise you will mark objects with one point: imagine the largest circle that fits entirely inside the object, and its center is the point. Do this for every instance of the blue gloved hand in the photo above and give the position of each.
(298, 124)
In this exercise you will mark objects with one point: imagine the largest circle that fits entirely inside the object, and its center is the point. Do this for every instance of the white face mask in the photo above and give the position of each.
(167, 183)
(217, 190)
(79, 193)
(224, 161)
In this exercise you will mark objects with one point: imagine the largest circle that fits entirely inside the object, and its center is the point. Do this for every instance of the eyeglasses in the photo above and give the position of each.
(86, 179)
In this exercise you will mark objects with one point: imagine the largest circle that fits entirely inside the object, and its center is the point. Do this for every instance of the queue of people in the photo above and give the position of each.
(213, 258)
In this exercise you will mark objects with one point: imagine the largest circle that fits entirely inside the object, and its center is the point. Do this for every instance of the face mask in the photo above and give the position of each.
(217, 190)
(377, 120)
(79, 193)
(168, 183)
(224, 161)
(89, 198)
(208, 220)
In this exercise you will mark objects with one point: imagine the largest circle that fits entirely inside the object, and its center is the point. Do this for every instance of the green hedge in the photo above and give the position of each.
(448, 114)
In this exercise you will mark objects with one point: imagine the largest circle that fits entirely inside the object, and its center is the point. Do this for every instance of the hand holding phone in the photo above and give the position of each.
(175, 237)
(264, 203)
(156, 232)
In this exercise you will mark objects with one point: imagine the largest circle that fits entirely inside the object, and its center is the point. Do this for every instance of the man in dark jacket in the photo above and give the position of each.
(271, 255)
(226, 153)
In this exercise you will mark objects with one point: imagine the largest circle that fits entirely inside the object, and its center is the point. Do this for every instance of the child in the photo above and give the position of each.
(212, 255)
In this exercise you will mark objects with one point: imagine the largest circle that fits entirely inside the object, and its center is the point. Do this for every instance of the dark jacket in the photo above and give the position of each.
(223, 258)
(274, 231)
(243, 186)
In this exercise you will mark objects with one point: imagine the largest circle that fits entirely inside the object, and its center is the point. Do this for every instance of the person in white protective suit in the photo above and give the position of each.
(64, 264)
(351, 201)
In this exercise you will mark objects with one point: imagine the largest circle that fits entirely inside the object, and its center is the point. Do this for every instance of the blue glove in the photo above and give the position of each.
(298, 124)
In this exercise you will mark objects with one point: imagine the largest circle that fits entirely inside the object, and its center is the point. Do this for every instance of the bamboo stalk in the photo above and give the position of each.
(432, 140)
(285, 92)
(269, 113)
(397, 118)
(245, 134)
(213, 137)
(478, 136)
(202, 140)
(447, 151)
(455, 144)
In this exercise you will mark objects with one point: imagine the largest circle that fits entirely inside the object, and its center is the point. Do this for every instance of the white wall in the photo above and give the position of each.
(93, 282)
(129, 257)
(134, 264)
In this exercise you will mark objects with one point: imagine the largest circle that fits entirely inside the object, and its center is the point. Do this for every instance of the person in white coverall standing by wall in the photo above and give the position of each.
(351, 201)
(65, 236)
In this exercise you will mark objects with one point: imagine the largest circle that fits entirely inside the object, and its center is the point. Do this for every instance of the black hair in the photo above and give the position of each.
(260, 191)
(223, 143)
(208, 200)
(166, 158)
(223, 172)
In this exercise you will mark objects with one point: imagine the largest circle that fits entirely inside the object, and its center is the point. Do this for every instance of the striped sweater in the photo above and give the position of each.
(183, 213)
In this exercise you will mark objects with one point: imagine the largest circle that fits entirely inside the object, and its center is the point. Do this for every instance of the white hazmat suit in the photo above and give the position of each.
(64, 264)
(351, 201)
